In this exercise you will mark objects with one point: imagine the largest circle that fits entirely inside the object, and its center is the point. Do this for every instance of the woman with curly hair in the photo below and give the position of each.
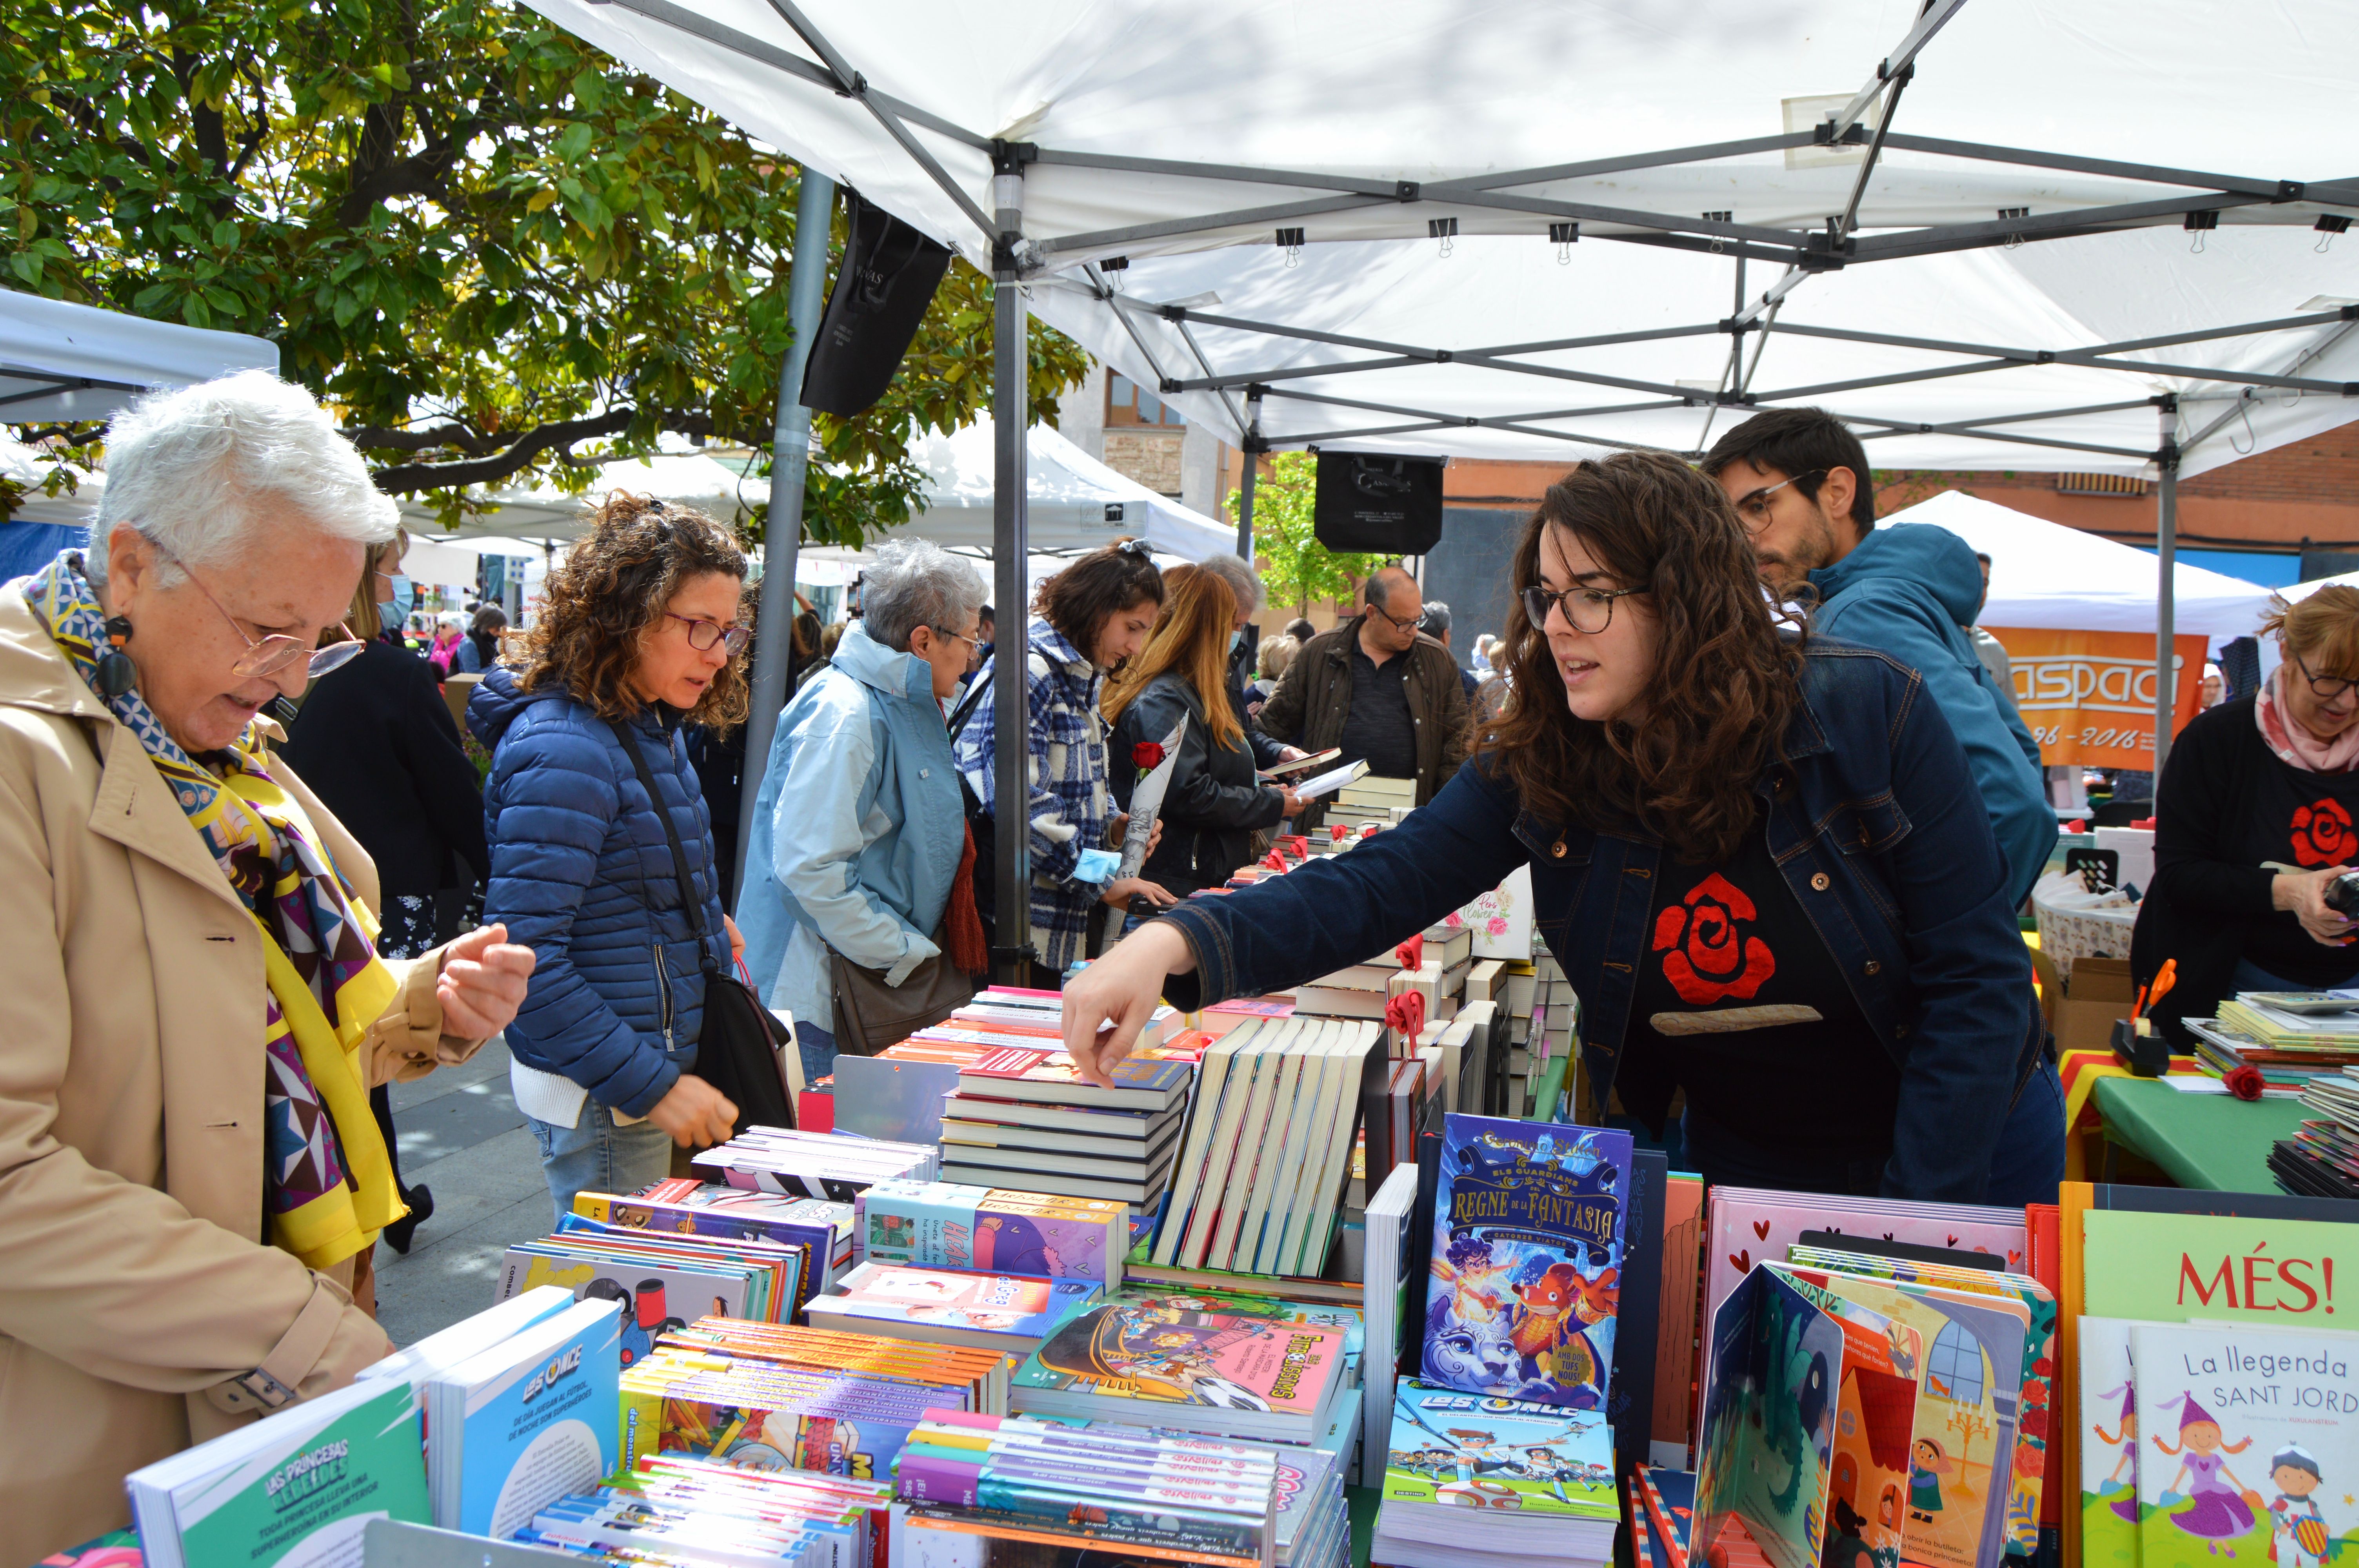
(1765, 868)
(641, 634)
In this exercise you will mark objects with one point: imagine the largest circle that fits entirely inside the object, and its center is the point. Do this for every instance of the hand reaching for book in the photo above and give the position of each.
(1108, 1003)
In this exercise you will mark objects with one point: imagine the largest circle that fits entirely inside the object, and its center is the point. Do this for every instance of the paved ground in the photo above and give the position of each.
(461, 1135)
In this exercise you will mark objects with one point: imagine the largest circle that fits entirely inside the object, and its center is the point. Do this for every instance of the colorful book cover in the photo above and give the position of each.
(2109, 1445)
(537, 1420)
(2043, 1261)
(1670, 1497)
(1767, 1429)
(2173, 1267)
(2250, 1445)
(845, 1427)
(1014, 1304)
(1047, 1073)
(1159, 1348)
(1675, 1315)
(947, 1226)
(1530, 1228)
(654, 1300)
(816, 1234)
(1483, 1452)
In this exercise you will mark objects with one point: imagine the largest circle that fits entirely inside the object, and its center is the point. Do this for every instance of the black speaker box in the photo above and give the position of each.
(887, 278)
(1378, 505)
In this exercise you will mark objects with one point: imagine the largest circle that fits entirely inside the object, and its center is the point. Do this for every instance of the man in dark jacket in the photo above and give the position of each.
(1379, 689)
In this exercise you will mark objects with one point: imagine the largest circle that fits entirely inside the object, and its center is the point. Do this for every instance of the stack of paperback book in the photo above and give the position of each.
(675, 1509)
(525, 1422)
(1024, 1118)
(985, 1310)
(820, 1229)
(943, 1225)
(1494, 1483)
(1005, 1490)
(833, 1165)
(1185, 1361)
(1261, 1173)
(661, 1280)
(770, 1396)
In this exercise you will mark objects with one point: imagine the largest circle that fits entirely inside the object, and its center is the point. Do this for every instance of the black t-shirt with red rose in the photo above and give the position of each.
(2302, 821)
(1739, 1002)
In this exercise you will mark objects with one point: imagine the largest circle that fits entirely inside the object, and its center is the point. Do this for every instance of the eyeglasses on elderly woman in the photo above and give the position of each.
(274, 651)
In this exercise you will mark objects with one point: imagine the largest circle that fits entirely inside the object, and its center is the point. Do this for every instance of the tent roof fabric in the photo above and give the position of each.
(2045, 575)
(60, 361)
(1181, 141)
(1076, 503)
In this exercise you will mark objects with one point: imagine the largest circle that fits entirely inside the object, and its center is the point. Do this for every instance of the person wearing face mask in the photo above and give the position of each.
(1086, 621)
(642, 632)
(194, 999)
(1801, 485)
(2253, 824)
(860, 846)
(1248, 595)
(1756, 851)
(1214, 803)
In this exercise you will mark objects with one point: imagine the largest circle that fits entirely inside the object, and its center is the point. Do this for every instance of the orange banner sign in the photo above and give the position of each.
(2088, 697)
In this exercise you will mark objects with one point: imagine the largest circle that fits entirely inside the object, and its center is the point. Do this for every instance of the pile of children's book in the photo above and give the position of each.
(1023, 1117)
(675, 1509)
(2322, 1159)
(1261, 1173)
(1500, 1453)
(944, 1225)
(983, 1310)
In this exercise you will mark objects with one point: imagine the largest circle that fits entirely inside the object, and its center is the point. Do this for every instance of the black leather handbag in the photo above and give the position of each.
(738, 1045)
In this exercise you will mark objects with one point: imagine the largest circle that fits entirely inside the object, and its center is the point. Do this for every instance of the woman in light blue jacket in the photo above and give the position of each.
(860, 840)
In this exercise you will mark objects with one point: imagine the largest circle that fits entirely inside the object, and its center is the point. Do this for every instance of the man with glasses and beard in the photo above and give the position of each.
(1801, 486)
(1377, 688)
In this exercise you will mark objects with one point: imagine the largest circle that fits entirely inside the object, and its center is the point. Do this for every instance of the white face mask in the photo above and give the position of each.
(1236, 636)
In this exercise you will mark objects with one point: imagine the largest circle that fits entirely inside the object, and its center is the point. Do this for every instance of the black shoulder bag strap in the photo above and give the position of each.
(738, 1047)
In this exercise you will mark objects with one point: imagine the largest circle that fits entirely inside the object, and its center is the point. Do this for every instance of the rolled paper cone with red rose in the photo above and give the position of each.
(1147, 755)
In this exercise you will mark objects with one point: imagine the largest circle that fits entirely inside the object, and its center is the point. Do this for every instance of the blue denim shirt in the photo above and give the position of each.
(1879, 830)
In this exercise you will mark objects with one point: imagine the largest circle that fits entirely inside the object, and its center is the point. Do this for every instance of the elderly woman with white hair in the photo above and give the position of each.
(860, 854)
(192, 1003)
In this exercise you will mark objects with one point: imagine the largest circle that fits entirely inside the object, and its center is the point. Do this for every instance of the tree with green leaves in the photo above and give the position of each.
(496, 253)
(1295, 567)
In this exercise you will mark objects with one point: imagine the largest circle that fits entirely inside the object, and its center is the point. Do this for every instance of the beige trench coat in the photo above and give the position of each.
(133, 1278)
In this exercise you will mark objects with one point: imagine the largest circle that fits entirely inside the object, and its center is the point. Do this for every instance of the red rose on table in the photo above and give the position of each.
(1706, 954)
(2322, 834)
(1146, 754)
(2245, 1082)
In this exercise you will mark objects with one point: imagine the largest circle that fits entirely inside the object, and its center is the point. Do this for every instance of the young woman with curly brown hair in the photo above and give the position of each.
(642, 632)
(1760, 860)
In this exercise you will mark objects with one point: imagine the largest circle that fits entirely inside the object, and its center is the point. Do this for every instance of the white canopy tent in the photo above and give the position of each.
(1275, 191)
(62, 361)
(524, 519)
(1076, 503)
(2046, 575)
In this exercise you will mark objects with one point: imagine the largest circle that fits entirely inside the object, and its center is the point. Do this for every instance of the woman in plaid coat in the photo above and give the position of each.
(1086, 620)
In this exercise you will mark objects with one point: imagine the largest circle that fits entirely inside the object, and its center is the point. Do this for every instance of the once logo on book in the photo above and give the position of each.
(546, 1378)
(307, 1473)
(2278, 1277)
(1298, 1360)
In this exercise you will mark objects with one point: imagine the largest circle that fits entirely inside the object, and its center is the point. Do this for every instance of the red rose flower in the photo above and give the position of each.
(1146, 754)
(2322, 834)
(1706, 955)
(2245, 1082)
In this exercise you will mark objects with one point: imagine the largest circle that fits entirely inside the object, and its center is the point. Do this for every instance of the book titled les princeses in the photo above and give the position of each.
(1529, 1236)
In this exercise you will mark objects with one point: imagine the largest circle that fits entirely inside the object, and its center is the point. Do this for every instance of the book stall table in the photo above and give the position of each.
(2210, 1140)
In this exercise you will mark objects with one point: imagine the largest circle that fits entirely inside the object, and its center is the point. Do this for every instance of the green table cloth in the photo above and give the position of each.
(2214, 1142)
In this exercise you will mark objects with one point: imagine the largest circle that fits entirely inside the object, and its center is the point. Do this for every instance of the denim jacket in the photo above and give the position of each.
(1879, 830)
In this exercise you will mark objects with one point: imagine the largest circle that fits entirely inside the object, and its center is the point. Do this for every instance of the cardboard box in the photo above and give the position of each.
(2099, 993)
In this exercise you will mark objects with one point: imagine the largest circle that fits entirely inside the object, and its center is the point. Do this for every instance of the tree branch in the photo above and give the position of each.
(494, 462)
(392, 438)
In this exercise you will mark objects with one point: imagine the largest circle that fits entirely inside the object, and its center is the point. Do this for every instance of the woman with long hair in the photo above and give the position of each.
(1087, 620)
(642, 632)
(1760, 860)
(1215, 801)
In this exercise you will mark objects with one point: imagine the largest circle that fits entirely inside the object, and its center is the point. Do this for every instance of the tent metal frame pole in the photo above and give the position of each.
(1931, 19)
(2166, 584)
(789, 465)
(1651, 406)
(1012, 952)
(1249, 454)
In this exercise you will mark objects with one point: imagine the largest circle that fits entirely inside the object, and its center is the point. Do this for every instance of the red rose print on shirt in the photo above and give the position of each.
(1706, 955)
(2322, 834)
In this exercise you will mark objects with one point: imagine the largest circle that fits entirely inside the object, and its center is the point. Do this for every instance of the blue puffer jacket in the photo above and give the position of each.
(581, 873)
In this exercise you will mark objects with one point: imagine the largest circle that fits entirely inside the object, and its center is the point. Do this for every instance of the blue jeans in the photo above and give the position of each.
(2025, 1167)
(818, 1048)
(595, 1155)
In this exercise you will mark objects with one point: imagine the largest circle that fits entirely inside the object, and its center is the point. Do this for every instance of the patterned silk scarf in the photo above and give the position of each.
(2293, 744)
(328, 1186)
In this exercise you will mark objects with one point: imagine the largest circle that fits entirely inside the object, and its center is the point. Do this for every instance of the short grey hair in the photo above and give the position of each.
(1436, 619)
(1243, 580)
(914, 583)
(192, 469)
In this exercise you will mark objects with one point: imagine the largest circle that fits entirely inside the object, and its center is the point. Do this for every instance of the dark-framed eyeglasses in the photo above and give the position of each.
(703, 634)
(270, 654)
(1411, 625)
(1753, 508)
(1587, 611)
(2325, 688)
